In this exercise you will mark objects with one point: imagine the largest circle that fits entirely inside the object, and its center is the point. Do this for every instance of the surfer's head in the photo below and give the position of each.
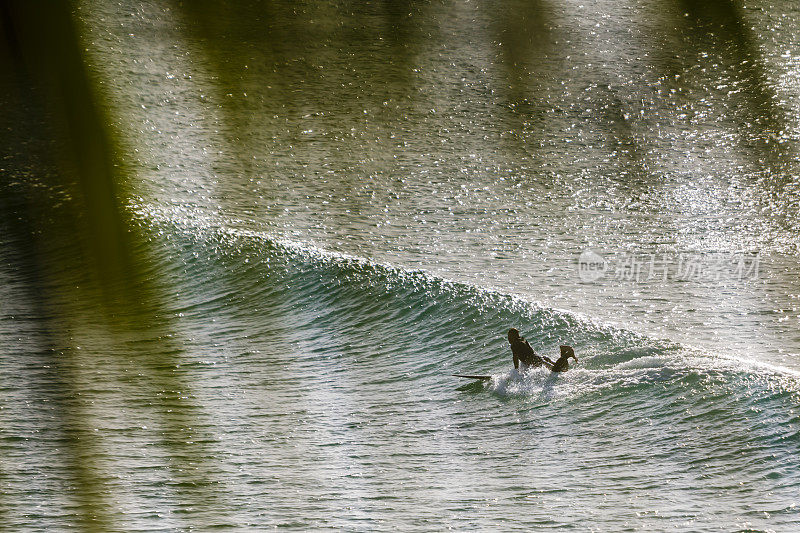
(567, 352)
(513, 335)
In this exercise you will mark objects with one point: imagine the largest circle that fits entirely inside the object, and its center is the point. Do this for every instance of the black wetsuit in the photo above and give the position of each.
(522, 351)
(561, 364)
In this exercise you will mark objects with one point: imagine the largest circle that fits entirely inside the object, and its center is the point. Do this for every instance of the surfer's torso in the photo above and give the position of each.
(524, 353)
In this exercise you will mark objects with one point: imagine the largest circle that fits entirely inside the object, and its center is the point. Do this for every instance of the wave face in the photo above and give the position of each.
(329, 374)
(269, 368)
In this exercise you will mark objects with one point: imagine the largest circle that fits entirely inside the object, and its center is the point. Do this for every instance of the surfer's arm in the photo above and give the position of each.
(549, 363)
(516, 362)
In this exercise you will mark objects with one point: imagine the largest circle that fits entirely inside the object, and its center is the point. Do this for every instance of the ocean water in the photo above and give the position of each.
(333, 207)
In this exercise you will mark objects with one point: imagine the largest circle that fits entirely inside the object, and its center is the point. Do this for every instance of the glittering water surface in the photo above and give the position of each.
(342, 204)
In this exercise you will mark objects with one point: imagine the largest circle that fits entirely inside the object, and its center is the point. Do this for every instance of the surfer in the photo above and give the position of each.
(523, 353)
(562, 364)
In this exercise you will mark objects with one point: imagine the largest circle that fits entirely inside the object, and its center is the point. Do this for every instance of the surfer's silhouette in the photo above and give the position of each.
(523, 353)
(525, 356)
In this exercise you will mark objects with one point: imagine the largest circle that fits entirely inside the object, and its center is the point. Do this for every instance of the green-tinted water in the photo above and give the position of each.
(329, 208)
